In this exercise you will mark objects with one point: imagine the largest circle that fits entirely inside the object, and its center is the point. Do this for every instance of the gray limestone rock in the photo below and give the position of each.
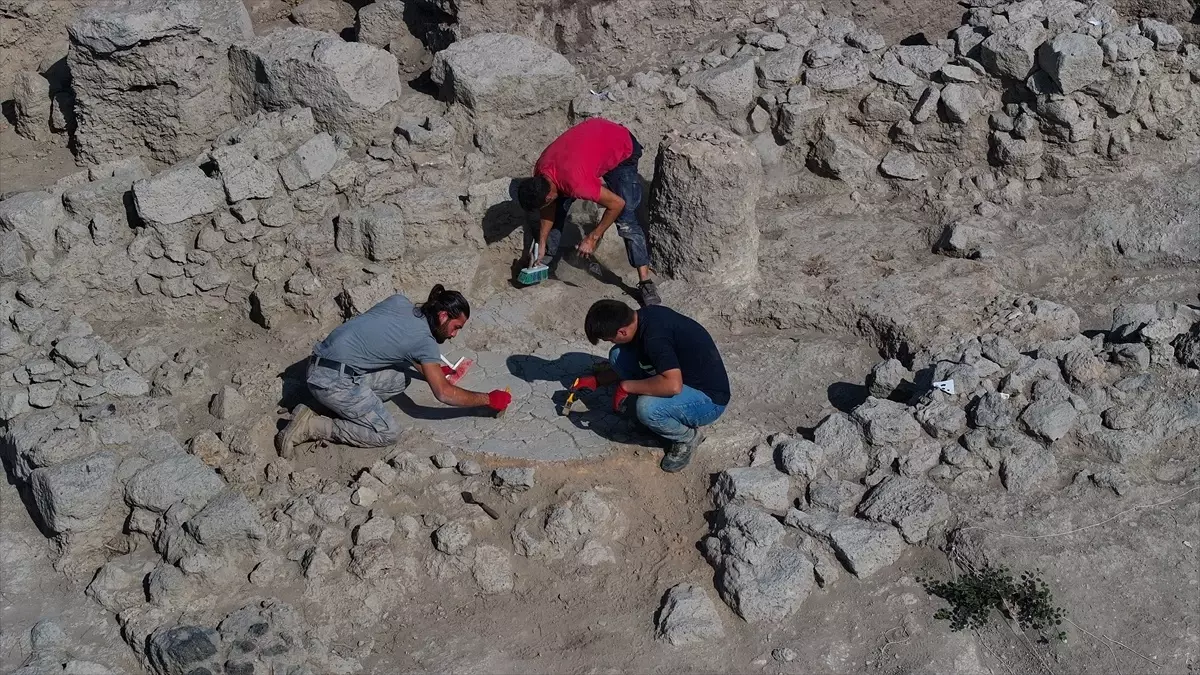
(835, 495)
(182, 649)
(227, 520)
(902, 165)
(173, 480)
(991, 411)
(1000, 349)
(800, 457)
(1165, 36)
(836, 156)
(914, 506)
(152, 76)
(925, 60)
(702, 218)
(846, 73)
(758, 576)
(176, 196)
(506, 74)
(1049, 420)
(729, 89)
(763, 486)
(1010, 52)
(842, 438)
(960, 102)
(886, 377)
(31, 105)
(452, 538)
(687, 616)
(35, 217)
(887, 423)
(347, 85)
(310, 162)
(941, 420)
(244, 176)
(73, 496)
(862, 547)
(492, 569)
(1125, 46)
(782, 68)
(1024, 471)
(76, 351)
(375, 232)
(1072, 60)
(515, 479)
(125, 383)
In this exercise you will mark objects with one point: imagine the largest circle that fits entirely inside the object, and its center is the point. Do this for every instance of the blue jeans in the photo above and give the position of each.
(675, 418)
(624, 181)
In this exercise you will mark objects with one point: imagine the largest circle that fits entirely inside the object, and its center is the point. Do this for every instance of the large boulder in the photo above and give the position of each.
(1072, 60)
(729, 88)
(34, 217)
(688, 616)
(914, 506)
(506, 74)
(153, 76)
(375, 232)
(73, 496)
(346, 84)
(1010, 52)
(759, 575)
(702, 215)
(31, 106)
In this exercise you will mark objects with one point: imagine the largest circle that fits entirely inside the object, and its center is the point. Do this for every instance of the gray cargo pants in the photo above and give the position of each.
(357, 401)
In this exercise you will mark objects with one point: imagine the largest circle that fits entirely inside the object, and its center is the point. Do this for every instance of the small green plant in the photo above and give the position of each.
(973, 596)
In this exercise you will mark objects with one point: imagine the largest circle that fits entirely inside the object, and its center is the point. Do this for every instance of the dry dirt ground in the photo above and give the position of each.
(1125, 568)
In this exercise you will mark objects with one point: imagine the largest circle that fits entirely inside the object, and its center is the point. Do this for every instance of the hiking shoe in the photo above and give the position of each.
(649, 293)
(679, 454)
(299, 430)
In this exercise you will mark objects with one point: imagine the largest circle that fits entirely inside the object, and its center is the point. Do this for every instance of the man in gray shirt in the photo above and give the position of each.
(354, 370)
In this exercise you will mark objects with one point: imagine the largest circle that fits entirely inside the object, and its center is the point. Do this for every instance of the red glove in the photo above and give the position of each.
(587, 382)
(619, 397)
(498, 399)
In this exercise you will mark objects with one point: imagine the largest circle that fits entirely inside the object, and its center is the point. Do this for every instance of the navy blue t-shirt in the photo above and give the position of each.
(667, 340)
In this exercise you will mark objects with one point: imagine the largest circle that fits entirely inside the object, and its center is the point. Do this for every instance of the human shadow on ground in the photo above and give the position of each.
(592, 410)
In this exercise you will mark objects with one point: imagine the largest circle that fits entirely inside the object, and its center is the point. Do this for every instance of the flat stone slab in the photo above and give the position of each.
(533, 426)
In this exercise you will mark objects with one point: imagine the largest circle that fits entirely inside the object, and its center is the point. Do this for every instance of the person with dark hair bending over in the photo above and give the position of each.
(670, 363)
(354, 370)
(596, 160)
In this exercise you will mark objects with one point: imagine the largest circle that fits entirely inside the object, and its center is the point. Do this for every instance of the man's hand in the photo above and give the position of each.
(619, 396)
(499, 400)
(588, 246)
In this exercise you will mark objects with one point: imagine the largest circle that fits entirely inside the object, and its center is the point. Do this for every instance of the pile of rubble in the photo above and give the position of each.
(1033, 406)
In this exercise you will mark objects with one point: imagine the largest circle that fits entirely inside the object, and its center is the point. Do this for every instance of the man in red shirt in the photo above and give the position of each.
(594, 160)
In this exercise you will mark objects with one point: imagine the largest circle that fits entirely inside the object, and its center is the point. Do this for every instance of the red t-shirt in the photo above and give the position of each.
(576, 161)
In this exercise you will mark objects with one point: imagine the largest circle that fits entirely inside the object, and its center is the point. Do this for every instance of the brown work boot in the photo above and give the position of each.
(302, 428)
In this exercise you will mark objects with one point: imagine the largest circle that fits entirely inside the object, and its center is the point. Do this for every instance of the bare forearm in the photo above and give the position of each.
(461, 398)
(658, 385)
(544, 235)
(610, 217)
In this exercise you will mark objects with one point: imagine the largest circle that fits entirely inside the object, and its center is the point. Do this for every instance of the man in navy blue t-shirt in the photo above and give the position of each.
(670, 363)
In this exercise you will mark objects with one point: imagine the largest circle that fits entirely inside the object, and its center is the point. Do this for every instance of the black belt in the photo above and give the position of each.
(340, 367)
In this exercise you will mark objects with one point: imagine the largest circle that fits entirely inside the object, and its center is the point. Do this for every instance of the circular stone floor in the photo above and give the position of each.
(533, 426)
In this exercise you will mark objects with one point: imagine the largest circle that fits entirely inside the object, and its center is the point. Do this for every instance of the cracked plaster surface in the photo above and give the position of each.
(533, 426)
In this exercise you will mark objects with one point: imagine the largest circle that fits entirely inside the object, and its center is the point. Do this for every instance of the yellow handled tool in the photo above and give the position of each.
(570, 397)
